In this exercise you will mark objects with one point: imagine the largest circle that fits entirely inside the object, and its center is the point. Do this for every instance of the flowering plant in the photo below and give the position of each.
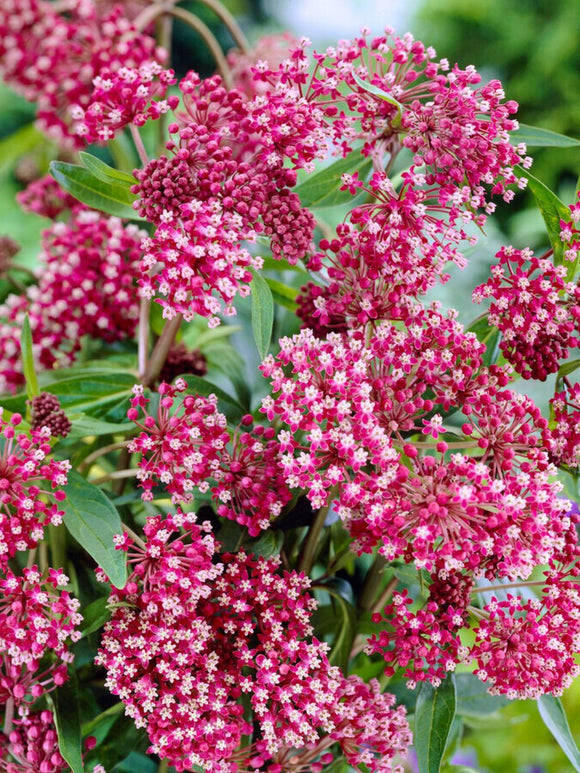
(313, 567)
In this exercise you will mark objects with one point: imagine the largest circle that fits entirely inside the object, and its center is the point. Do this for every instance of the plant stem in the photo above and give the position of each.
(529, 584)
(88, 461)
(372, 583)
(209, 39)
(310, 544)
(163, 767)
(230, 22)
(56, 536)
(143, 335)
(116, 475)
(140, 147)
(8, 716)
(161, 350)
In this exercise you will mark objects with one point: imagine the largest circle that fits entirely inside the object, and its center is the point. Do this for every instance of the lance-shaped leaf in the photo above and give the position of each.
(323, 189)
(113, 198)
(68, 724)
(106, 173)
(434, 715)
(554, 716)
(93, 521)
(536, 137)
(552, 210)
(32, 389)
(262, 314)
(384, 95)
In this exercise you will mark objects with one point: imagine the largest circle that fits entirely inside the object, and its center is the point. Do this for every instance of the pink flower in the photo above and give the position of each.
(53, 59)
(525, 648)
(535, 308)
(86, 286)
(563, 439)
(123, 97)
(32, 746)
(30, 488)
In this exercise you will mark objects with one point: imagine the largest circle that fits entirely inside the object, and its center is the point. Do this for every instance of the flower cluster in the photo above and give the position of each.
(188, 446)
(32, 746)
(536, 309)
(46, 412)
(223, 184)
(563, 439)
(123, 97)
(192, 637)
(52, 58)
(30, 488)
(525, 648)
(86, 287)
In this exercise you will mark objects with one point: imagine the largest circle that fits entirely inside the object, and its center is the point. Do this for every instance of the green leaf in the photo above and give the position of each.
(108, 197)
(536, 137)
(262, 314)
(554, 716)
(323, 189)
(566, 369)
(32, 389)
(227, 404)
(106, 173)
(283, 295)
(93, 521)
(384, 95)
(101, 724)
(95, 615)
(205, 338)
(86, 426)
(268, 545)
(489, 335)
(343, 641)
(89, 391)
(136, 763)
(68, 724)
(433, 719)
(473, 697)
(552, 210)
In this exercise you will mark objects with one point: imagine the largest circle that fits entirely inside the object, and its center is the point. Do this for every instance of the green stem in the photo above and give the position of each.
(161, 350)
(310, 544)
(529, 584)
(163, 767)
(372, 583)
(139, 146)
(230, 22)
(143, 335)
(209, 39)
(56, 536)
(88, 460)
(117, 475)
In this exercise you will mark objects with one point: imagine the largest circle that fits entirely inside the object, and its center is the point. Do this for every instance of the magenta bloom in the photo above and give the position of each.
(30, 488)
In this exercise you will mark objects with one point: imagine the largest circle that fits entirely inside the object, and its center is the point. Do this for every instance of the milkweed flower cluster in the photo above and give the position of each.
(189, 637)
(86, 287)
(53, 59)
(31, 487)
(536, 309)
(188, 446)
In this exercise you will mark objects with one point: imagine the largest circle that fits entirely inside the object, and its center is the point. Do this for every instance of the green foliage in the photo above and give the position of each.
(93, 521)
(434, 716)
(262, 314)
(68, 725)
(554, 717)
(97, 192)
